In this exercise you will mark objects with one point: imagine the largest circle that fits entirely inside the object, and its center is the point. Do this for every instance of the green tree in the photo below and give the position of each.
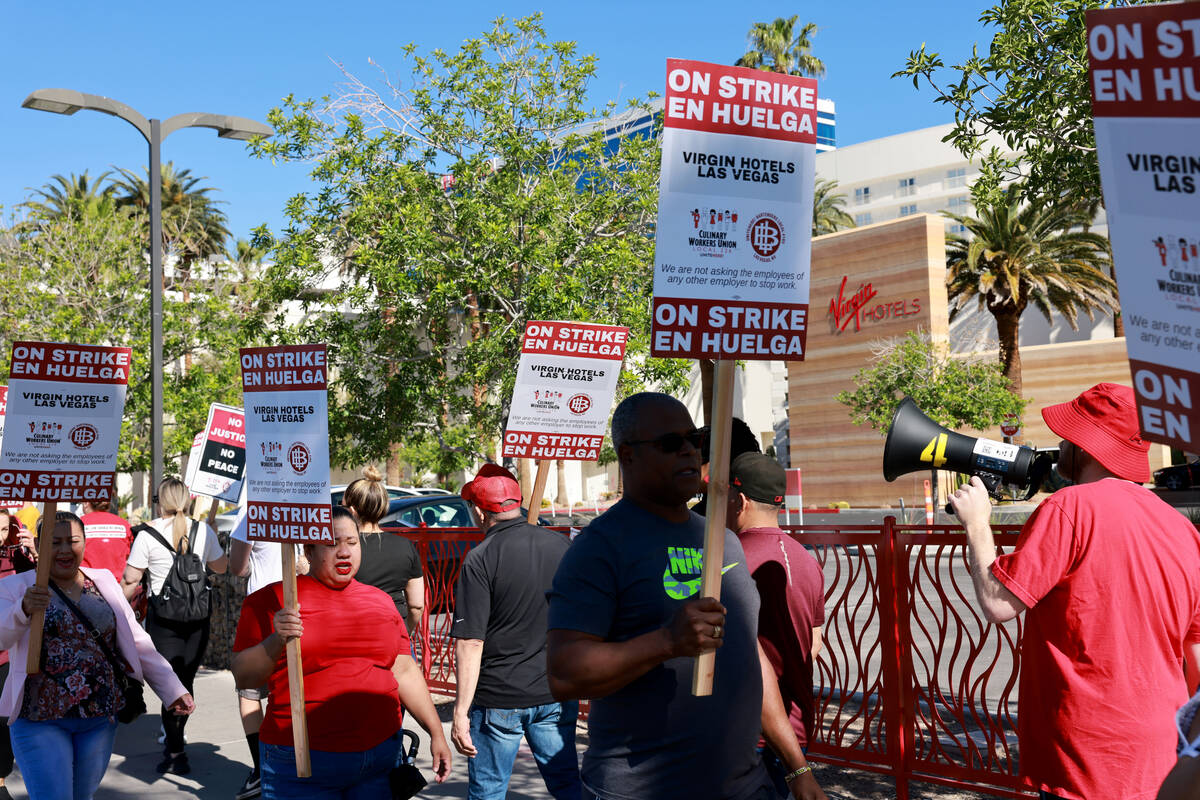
(829, 212)
(442, 453)
(449, 211)
(953, 392)
(1021, 252)
(84, 278)
(193, 227)
(61, 196)
(1030, 88)
(779, 47)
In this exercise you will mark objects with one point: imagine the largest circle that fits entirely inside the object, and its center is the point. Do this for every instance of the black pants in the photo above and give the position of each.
(6, 753)
(182, 644)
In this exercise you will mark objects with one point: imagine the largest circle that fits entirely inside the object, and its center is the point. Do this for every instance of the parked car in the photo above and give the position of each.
(1180, 476)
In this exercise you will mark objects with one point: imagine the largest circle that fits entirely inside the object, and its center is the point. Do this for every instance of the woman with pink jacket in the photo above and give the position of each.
(64, 718)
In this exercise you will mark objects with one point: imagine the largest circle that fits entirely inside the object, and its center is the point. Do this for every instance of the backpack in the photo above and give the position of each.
(185, 592)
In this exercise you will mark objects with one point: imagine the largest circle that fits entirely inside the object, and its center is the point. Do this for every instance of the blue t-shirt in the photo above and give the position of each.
(627, 574)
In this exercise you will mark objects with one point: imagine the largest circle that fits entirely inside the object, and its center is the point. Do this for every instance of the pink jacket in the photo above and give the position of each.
(133, 643)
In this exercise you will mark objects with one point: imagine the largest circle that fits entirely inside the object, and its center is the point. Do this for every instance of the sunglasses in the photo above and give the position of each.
(673, 442)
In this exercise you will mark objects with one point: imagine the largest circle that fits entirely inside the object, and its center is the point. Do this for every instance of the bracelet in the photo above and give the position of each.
(791, 776)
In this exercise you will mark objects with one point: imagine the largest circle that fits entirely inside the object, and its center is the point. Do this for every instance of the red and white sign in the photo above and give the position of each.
(285, 443)
(733, 241)
(1145, 81)
(63, 422)
(1011, 425)
(566, 381)
(221, 462)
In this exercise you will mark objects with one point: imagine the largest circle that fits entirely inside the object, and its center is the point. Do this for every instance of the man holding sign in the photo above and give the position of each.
(626, 620)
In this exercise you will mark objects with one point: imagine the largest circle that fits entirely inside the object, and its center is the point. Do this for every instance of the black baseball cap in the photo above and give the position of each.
(759, 477)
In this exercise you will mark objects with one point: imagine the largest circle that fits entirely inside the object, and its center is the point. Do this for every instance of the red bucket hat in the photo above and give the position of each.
(494, 489)
(1104, 422)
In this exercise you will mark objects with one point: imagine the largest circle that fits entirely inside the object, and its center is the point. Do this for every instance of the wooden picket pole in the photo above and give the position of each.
(539, 489)
(718, 492)
(33, 661)
(295, 669)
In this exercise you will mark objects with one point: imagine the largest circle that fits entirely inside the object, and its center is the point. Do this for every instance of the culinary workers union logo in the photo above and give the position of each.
(299, 458)
(765, 235)
(82, 436)
(580, 404)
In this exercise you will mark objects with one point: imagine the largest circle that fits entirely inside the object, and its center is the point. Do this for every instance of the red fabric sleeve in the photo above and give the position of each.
(257, 621)
(1045, 553)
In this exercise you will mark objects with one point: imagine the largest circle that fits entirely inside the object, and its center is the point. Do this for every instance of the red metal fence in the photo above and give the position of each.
(911, 682)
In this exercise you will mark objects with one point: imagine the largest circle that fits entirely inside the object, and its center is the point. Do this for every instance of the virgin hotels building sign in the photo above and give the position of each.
(862, 308)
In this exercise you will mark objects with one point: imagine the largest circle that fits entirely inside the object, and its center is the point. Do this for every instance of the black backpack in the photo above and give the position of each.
(184, 596)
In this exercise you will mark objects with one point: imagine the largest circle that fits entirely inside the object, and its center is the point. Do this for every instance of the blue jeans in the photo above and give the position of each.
(63, 759)
(496, 734)
(335, 776)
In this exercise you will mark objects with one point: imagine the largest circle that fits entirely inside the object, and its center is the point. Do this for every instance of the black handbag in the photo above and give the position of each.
(405, 780)
(131, 689)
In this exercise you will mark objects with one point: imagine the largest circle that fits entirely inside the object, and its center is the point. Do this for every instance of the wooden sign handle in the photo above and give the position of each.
(714, 528)
(539, 489)
(33, 661)
(295, 668)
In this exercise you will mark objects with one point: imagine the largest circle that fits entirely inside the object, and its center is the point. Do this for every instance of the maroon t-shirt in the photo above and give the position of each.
(792, 588)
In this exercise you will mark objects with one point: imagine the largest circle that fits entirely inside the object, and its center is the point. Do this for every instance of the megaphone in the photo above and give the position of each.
(915, 442)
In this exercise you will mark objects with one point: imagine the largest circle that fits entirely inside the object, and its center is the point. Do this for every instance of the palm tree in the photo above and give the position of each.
(778, 47)
(1020, 252)
(74, 196)
(192, 225)
(829, 214)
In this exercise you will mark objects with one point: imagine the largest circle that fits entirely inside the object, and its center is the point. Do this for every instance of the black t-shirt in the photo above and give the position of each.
(389, 562)
(500, 598)
(626, 574)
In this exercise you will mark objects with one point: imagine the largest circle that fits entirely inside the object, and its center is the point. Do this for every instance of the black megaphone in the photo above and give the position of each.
(915, 442)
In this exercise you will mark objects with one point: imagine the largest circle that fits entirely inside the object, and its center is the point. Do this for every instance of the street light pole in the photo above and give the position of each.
(66, 101)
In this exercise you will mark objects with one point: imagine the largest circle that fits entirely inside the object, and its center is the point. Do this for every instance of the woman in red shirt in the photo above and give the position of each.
(358, 677)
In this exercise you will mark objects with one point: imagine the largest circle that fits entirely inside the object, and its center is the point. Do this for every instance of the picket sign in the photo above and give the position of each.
(287, 448)
(714, 520)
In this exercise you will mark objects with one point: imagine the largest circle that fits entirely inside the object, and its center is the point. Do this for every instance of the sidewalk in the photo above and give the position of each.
(220, 760)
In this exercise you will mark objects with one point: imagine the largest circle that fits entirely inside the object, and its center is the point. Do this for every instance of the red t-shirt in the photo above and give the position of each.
(351, 639)
(792, 589)
(1111, 575)
(106, 542)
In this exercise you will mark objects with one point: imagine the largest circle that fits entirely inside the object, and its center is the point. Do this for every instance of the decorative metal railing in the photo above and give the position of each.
(911, 681)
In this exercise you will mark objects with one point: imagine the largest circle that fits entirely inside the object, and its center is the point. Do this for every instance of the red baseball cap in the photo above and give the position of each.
(1104, 422)
(493, 489)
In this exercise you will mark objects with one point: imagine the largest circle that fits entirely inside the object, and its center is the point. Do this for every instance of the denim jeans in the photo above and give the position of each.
(63, 759)
(335, 776)
(496, 734)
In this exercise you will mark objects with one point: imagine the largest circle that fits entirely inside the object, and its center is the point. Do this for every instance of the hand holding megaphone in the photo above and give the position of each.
(971, 503)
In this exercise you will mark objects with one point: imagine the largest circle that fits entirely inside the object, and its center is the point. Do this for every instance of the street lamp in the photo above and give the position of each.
(66, 101)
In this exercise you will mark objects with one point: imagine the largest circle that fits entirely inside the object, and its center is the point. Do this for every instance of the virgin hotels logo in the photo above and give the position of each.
(860, 307)
(849, 308)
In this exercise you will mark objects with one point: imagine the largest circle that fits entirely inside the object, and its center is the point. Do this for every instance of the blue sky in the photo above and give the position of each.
(242, 57)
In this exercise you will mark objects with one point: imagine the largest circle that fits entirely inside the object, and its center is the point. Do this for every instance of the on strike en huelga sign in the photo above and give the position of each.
(222, 462)
(1145, 80)
(566, 381)
(287, 444)
(733, 242)
(63, 422)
